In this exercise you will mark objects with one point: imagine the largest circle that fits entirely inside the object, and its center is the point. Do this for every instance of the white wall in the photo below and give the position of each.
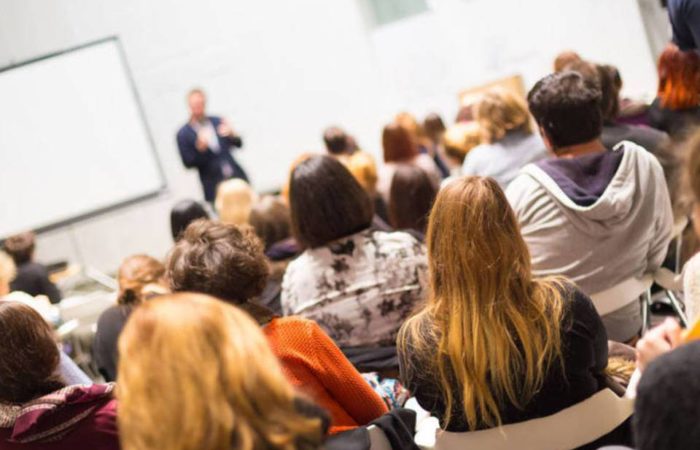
(282, 71)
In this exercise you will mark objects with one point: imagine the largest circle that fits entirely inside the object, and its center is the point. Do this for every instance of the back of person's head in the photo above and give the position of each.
(21, 247)
(500, 111)
(398, 144)
(434, 127)
(8, 270)
(679, 79)
(218, 259)
(565, 59)
(298, 160)
(327, 202)
(567, 109)
(140, 277)
(465, 114)
(362, 166)
(587, 69)
(411, 196)
(234, 201)
(336, 141)
(666, 410)
(200, 375)
(408, 122)
(488, 315)
(459, 139)
(29, 355)
(270, 219)
(184, 213)
(610, 86)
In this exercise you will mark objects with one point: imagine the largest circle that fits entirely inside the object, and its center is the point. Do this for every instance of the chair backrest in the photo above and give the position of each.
(570, 428)
(621, 295)
(377, 439)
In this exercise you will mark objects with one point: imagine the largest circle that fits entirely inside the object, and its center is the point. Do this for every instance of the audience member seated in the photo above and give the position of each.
(459, 140)
(509, 144)
(676, 108)
(271, 221)
(338, 143)
(494, 344)
(401, 148)
(362, 166)
(234, 201)
(653, 140)
(411, 197)
(434, 129)
(200, 375)
(140, 278)
(357, 283)
(37, 409)
(425, 145)
(32, 277)
(665, 410)
(228, 262)
(184, 213)
(598, 217)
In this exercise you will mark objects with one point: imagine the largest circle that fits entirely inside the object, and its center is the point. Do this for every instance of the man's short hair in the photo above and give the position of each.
(224, 261)
(336, 141)
(194, 91)
(20, 247)
(566, 108)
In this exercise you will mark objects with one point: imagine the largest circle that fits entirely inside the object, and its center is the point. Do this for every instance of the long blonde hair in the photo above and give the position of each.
(495, 328)
(198, 374)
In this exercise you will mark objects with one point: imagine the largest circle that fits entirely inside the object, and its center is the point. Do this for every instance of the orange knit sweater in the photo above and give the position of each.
(315, 365)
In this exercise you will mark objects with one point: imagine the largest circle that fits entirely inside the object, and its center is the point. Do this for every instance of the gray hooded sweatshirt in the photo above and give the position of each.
(596, 219)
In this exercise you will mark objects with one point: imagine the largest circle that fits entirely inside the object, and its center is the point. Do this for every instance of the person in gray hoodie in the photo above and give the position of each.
(596, 216)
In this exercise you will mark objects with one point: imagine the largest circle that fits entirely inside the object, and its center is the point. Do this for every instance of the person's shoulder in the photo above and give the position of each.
(395, 241)
(577, 303)
(113, 314)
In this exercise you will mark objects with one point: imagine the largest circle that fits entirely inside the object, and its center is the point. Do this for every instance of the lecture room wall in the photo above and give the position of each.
(283, 70)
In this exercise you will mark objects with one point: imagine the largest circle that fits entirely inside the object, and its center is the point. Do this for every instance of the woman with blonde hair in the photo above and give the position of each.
(234, 201)
(140, 277)
(201, 376)
(493, 345)
(509, 143)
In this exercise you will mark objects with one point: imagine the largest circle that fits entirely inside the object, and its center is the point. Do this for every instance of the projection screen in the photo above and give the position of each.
(73, 139)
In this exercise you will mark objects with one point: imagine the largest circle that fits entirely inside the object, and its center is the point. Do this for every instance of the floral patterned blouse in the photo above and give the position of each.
(359, 289)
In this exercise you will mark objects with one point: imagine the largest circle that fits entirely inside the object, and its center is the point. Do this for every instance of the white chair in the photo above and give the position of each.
(570, 428)
(625, 293)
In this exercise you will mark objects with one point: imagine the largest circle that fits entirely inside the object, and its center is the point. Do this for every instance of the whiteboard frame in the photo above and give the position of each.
(162, 189)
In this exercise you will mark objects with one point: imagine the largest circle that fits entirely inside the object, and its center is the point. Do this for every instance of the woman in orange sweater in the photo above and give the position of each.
(229, 263)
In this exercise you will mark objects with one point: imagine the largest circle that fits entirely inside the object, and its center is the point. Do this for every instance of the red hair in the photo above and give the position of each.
(398, 144)
(679, 79)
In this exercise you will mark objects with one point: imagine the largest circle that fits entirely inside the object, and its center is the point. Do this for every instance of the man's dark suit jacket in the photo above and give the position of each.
(209, 163)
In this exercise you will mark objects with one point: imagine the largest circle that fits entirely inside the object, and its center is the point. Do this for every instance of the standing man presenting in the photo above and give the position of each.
(205, 142)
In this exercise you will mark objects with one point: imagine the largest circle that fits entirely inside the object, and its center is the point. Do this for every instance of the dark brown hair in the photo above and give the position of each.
(326, 201)
(29, 356)
(271, 220)
(336, 141)
(21, 247)
(610, 86)
(411, 197)
(434, 127)
(220, 260)
(567, 108)
(398, 144)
